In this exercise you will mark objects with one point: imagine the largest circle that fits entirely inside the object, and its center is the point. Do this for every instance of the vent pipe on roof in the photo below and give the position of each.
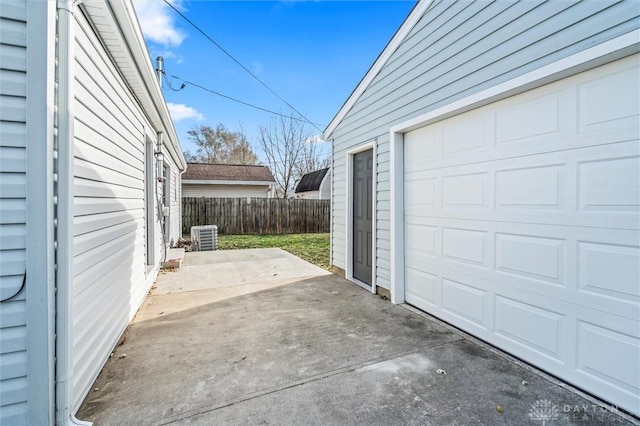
(160, 69)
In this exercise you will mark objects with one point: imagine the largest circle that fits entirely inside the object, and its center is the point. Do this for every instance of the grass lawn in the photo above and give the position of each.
(313, 248)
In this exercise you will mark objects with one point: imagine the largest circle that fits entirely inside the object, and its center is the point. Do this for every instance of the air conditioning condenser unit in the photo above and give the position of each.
(204, 238)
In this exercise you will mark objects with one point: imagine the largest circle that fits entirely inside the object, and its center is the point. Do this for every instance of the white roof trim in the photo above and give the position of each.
(228, 182)
(420, 8)
(129, 43)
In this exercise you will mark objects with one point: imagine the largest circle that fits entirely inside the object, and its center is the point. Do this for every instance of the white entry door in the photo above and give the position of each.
(522, 227)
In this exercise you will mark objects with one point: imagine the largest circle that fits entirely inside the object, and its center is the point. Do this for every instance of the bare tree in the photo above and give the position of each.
(282, 145)
(242, 153)
(220, 146)
(313, 158)
(290, 152)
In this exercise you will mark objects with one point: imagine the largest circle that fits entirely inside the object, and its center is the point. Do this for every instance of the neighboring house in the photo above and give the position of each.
(85, 139)
(502, 141)
(315, 185)
(227, 180)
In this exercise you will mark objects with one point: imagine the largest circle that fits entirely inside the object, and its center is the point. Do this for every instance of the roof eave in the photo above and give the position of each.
(412, 19)
(226, 182)
(141, 75)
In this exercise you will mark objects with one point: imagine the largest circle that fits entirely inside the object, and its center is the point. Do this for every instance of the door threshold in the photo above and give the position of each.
(361, 284)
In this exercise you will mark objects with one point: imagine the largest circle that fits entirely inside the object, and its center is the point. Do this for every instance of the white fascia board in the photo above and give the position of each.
(617, 48)
(419, 9)
(134, 46)
(227, 182)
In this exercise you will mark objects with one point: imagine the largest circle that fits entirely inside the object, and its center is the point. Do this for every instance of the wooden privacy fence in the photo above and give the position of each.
(256, 215)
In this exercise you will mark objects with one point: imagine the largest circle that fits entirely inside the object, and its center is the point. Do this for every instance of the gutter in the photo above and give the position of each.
(64, 214)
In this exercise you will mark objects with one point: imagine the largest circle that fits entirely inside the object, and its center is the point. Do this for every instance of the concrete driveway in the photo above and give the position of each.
(262, 337)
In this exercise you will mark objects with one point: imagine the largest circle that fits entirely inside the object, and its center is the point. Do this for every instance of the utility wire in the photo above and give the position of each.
(240, 64)
(168, 83)
(185, 83)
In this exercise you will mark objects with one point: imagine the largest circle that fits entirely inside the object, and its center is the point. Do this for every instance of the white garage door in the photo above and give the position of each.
(522, 227)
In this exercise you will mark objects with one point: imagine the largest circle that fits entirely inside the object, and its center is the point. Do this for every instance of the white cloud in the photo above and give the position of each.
(257, 68)
(182, 112)
(167, 54)
(157, 22)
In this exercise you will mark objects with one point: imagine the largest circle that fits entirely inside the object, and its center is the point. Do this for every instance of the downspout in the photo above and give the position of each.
(64, 214)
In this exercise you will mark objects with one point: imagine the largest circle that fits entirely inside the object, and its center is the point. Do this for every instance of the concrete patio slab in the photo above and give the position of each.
(219, 275)
(313, 349)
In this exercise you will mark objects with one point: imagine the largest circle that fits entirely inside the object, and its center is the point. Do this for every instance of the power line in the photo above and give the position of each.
(185, 83)
(240, 64)
(168, 82)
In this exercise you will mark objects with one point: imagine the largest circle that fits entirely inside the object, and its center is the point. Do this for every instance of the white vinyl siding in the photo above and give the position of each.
(176, 205)
(13, 332)
(309, 195)
(231, 191)
(109, 223)
(325, 187)
(454, 50)
(522, 226)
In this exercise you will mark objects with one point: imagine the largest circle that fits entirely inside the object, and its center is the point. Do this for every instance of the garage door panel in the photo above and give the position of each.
(609, 101)
(525, 120)
(530, 257)
(504, 315)
(474, 135)
(609, 270)
(609, 184)
(565, 142)
(425, 190)
(429, 146)
(591, 109)
(465, 190)
(424, 240)
(427, 290)
(534, 258)
(625, 372)
(564, 337)
(531, 187)
(466, 302)
(513, 319)
(467, 246)
(591, 187)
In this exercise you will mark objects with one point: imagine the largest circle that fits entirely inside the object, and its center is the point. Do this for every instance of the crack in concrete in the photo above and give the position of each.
(310, 379)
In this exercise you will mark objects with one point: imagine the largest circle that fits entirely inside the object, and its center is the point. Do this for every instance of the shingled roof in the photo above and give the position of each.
(311, 181)
(231, 172)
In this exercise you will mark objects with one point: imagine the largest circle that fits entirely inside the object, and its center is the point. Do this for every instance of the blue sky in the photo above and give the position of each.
(312, 53)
